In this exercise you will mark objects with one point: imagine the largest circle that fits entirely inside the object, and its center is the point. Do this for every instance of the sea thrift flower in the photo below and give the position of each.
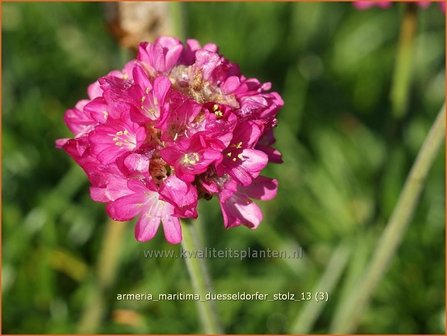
(368, 4)
(385, 4)
(177, 124)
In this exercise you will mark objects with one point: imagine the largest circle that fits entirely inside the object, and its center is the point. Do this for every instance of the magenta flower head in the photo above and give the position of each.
(368, 4)
(177, 124)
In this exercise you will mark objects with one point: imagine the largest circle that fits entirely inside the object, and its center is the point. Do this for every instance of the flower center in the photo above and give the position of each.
(217, 111)
(151, 110)
(124, 138)
(158, 168)
(189, 81)
(190, 158)
(235, 148)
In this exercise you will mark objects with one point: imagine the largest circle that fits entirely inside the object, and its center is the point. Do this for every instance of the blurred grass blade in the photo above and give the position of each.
(309, 314)
(394, 230)
(59, 198)
(107, 267)
(404, 58)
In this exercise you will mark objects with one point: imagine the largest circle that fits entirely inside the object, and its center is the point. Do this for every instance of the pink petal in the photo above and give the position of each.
(162, 55)
(211, 47)
(248, 133)
(79, 121)
(207, 61)
(171, 155)
(172, 229)
(180, 194)
(172, 56)
(273, 154)
(98, 109)
(141, 78)
(114, 187)
(231, 84)
(94, 90)
(126, 208)
(424, 4)
(61, 142)
(263, 188)
(161, 88)
(238, 210)
(113, 139)
(193, 44)
(137, 163)
(253, 161)
(146, 227)
(156, 57)
(367, 4)
(188, 54)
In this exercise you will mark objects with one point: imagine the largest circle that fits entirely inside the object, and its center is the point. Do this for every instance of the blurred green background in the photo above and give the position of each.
(345, 160)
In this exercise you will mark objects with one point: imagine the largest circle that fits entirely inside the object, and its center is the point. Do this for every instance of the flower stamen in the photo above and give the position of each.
(124, 138)
(217, 111)
(191, 158)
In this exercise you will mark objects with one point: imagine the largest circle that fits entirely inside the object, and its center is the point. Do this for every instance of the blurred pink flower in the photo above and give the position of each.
(368, 4)
(385, 4)
(178, 123)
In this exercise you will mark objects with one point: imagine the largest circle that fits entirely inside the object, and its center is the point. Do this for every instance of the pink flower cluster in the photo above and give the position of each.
(177, 124)
(385, 4)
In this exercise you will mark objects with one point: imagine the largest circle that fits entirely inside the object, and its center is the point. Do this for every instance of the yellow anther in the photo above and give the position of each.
(191, 158)
(122, 138)
(217, 112)
(229, 154)
(150, 111)
(238, 145)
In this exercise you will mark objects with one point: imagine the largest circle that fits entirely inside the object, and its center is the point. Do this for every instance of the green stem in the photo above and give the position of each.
(191, 234)
(394, 230)
(402, 70)
(200, 279)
